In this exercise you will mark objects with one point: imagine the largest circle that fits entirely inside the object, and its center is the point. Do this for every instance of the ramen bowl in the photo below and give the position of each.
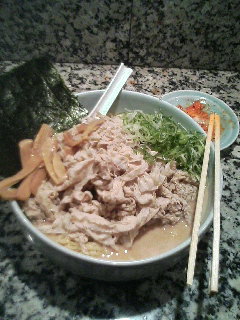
(90, 267)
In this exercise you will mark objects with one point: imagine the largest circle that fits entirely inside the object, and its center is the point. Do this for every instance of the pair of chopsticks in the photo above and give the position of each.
(214, 124)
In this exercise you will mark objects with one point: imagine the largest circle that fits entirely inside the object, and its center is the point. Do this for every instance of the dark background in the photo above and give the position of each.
(166, 33)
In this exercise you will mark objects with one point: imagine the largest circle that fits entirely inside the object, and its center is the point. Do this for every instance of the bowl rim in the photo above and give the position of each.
(79, 256)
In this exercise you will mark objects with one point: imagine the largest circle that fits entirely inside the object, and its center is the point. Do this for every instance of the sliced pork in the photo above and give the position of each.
(111, 192)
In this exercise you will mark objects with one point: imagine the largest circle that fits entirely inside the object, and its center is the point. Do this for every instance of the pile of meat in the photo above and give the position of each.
(110, 192)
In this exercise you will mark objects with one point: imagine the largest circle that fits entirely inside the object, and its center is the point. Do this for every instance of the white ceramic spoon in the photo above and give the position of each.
(112, 91)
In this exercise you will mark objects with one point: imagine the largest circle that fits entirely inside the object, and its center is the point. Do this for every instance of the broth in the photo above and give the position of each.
(156, 239)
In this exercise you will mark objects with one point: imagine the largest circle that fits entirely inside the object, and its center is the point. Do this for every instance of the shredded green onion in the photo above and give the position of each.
(170, 141)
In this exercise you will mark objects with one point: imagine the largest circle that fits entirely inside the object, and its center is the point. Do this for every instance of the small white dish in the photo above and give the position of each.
(229, 120)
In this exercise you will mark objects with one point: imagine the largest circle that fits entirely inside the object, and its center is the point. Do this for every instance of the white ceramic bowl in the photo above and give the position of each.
(129, 270)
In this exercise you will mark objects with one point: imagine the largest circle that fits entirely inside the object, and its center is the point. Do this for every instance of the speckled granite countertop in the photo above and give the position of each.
(33, 288)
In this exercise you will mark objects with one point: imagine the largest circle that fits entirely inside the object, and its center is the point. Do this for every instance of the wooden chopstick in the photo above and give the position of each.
(216, 217)
(198, 210)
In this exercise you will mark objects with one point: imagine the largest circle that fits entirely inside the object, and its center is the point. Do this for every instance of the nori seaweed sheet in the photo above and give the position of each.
(30, 95)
